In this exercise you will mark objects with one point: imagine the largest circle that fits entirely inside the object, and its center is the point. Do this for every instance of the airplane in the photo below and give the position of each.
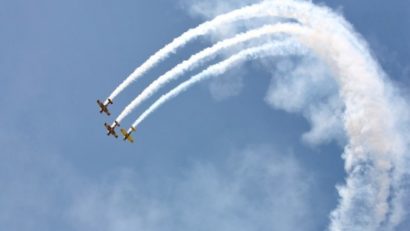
(127, 135)
(111, 130)
(104, 107)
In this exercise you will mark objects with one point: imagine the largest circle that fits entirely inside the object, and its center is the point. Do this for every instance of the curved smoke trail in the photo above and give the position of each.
(204, 55)
(280, 8)
(203, 29)
(270, 49)
(377, 149)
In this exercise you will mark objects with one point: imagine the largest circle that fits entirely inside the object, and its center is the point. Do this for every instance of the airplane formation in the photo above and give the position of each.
(111, 128)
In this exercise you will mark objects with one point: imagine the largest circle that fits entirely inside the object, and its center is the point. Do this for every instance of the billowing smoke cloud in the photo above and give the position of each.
(377, 142)
(306, 86)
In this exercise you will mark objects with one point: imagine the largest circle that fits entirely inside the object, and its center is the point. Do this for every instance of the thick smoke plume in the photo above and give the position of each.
(377, 151)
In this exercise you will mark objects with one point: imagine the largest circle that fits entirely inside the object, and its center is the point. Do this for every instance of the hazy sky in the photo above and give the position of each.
(219, 157)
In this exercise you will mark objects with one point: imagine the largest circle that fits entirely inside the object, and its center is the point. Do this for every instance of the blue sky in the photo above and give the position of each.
(209, 160)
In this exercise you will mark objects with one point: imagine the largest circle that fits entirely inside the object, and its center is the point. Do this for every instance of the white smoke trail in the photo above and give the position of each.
(247, 12)
(270, 49)
(372, 198)
(279, 8)
(204, 55)
(368, 123)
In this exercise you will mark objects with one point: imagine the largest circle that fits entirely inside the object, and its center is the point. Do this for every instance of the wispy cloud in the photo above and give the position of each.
(212, 8)
(229, 86)
(256, 188)
(36, 185)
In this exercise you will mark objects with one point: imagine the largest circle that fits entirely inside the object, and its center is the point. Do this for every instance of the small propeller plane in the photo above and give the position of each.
(111, 130)
(127, 135)
(104, 106)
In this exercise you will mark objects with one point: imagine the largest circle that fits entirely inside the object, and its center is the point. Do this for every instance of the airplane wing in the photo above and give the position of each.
(130, 139)
(124, 132)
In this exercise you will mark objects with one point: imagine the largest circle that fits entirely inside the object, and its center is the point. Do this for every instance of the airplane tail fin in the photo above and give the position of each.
(110, 101)
(116, 123)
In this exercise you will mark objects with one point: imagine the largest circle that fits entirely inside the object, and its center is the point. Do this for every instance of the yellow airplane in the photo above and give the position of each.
(104, 106)
(127, 135)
